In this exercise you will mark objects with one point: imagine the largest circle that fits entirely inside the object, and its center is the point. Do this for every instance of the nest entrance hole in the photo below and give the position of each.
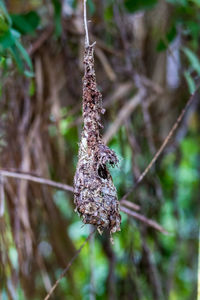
(102, 171)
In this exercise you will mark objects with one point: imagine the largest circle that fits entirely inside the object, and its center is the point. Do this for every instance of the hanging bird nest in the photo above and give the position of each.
(95, 195)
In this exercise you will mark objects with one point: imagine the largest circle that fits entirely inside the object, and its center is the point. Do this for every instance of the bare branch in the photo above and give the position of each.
(24, 176)
(130, 204)
(69, 265)
(145, 220)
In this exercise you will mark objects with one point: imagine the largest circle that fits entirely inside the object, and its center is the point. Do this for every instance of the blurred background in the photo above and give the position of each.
(147, 65)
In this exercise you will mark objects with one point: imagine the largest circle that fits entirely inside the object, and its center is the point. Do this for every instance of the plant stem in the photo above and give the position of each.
(87, 42)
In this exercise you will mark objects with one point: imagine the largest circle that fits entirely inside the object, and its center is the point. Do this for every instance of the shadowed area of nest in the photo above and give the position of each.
(95, 195)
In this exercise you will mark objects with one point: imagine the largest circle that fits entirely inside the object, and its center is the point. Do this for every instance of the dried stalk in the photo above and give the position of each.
(95, 195)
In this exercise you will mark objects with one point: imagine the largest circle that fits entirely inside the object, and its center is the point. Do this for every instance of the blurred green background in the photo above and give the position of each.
(145, 47)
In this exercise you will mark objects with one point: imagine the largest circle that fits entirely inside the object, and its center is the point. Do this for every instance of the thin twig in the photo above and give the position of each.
(69, 265)
(164, 144)
(130, 204)
(40, 180)
(145, 220)
(2, 196)
(87, 42)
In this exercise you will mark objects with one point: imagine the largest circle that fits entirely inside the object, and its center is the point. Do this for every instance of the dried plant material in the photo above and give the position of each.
(95, 195)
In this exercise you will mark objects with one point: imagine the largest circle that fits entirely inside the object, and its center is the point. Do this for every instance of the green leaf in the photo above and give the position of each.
(164, 43)
(24, 54)
(193, 27)
(57, 17)
(178, 2)
(197, 2)
(91, 6)
(17, 58)
(6, 41)
(73, 3)
(16, 34)
(4, 25)
(32, 88)
(193, 59)
(190, 82)
(26, 23)
(29, 74)
(4, 14)
(2, 61)
(135, 5)
(108, 14)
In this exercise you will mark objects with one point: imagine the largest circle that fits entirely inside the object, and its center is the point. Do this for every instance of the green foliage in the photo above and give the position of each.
(91, 7)
(136, 5)
(10, 41)
(63, 204)
(5, 20)
(25, 23)
(193, 59)
(182, 205)
(170, 36)
(186, 17)
(4, 25)
(57, 17)
(194, 64)
(108, 14)
(190, 82)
